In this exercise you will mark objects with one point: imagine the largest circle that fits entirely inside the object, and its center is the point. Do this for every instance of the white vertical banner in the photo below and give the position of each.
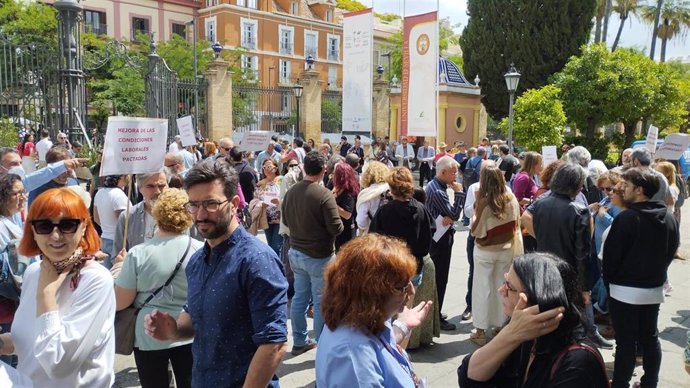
(358, 43)
(420, 75)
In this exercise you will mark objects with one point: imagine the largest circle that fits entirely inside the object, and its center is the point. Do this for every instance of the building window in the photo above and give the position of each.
(329, 15)
(286, 41)
(249, 33)
(210, 29)
(332, 77)
(139, 26)
(94, 22)
(179, 30)
(311, 43)
(241, 3)
(250, 66)
(294, 8)
(285, 102)
(211, 3)
(284, 72)
(333, 48)
(251, 4)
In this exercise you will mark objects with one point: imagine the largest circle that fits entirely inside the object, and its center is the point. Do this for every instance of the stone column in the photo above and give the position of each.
(219, 96)
(380, 109)
(310, 105)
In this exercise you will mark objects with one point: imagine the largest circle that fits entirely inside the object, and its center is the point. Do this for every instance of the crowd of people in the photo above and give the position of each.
(353, 241)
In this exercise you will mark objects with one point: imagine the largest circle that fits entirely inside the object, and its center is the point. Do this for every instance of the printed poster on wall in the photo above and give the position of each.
(358, 71)
(134, 145)
(420, 75)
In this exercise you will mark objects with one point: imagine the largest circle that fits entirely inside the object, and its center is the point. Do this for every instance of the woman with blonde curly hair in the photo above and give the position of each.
(156, 268)
(373, 194)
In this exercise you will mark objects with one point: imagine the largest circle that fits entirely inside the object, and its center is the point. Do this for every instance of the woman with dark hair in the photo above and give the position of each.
(497, 239)
(543, 344)
(359, 345)
(108, 203)
(345, 190)
(27, 150)
(63, 331)
(311, 144)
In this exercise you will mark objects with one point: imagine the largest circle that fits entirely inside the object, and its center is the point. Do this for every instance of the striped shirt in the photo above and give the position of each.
(438, 203)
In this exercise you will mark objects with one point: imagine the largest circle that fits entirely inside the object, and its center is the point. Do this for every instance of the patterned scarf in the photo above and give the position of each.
(77, 261)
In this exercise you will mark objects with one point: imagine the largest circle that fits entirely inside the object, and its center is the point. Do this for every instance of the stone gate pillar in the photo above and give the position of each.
(310, 105)
(380, 109)
(219, 96)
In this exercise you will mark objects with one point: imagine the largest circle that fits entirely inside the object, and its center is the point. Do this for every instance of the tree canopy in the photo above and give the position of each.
(538, 36)
(538, 119)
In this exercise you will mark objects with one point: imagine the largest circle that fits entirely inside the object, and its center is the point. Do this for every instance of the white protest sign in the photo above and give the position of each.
(134, 145)
(548, 154)
(652, 135)
(186, 129)
(255, 140)
(673, 147)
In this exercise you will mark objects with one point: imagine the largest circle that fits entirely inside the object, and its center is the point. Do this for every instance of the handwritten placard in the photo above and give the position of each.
(134, 145)
(652, 136)
(673, 146)
(185, 127)
(255, 140)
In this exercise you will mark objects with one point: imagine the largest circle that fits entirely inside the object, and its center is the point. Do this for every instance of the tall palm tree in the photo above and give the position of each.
(607, 16)
(655, 30)
(674, 21)
(600, 15)
(623, 8)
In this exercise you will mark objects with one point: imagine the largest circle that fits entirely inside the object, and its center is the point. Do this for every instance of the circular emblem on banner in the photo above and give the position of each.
(423, 44)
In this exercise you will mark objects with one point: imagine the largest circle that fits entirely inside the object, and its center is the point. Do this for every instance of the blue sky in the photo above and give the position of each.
(635, 33)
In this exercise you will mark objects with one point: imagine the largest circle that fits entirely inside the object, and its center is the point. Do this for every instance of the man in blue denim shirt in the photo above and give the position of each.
(237, 294)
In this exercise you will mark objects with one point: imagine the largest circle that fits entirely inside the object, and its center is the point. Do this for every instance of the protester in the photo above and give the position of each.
(357, 149)
(373, 194)
(580, 156)
(495, 227)
(360, 346)
(542, 343)
(405, 218)
(637, 252)
(11, 163)
(109, 203)
(507, 162)
(176, 145)
(42, 147)
(425, 156)
(524, 185)
(175, 170)
(311, 213)
(291, 175)
(642, 158)
(189, 156)
(668, 170)
(345, 191)
(63, 330)
(27, 150)
(297, 153)
(268, 189)
(439, 206)
(63, 142)
(626, 161)
(545, 178)
(246, 173)
(404, 153)
(225, 144)
(55, 155)
(149, 266)
(268, 153)
(210, 150)
(243, 342)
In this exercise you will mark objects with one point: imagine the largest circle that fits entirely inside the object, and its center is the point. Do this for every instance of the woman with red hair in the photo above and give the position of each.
(63, 331)
(345, 189)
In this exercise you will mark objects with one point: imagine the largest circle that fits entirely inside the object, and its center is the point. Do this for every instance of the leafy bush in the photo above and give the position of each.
(9, 136)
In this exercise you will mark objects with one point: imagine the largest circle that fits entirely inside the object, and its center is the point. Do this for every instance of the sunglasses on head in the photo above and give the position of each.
(65, 226)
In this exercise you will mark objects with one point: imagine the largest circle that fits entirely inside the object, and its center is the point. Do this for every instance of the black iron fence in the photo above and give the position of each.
(260, 108)
(331, 111)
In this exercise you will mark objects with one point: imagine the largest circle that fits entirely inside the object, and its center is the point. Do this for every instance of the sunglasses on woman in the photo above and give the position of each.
(65, 226)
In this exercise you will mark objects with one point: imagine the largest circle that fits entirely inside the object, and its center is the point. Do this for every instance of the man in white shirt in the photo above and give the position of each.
(269, 152)
(108, 203)
(404, 153)
(176, 145)
(425, 155)
(42, 147)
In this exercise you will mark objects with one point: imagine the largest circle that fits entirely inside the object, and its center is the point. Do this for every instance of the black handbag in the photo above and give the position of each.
(125, 320)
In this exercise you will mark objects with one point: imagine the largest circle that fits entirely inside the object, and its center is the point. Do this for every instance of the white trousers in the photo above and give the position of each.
(487, 303)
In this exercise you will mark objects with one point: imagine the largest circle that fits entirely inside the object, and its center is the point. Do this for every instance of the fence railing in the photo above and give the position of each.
(260, 108)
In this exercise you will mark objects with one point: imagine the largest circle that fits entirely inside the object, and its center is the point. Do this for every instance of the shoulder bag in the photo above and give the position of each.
(125, 320)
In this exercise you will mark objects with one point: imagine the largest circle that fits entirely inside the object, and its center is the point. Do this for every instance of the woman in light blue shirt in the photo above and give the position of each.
(360, 346)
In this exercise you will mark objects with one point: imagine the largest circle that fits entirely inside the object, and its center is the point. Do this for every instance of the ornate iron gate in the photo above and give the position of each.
(29, 80)
(259, 108)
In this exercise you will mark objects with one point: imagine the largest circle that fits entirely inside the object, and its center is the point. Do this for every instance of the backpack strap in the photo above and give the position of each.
(576, 346)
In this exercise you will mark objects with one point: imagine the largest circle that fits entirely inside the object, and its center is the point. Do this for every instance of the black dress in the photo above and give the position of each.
(346, 201)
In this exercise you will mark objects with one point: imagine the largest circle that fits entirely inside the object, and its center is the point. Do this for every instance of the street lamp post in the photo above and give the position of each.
(512, 78)
(297, 90)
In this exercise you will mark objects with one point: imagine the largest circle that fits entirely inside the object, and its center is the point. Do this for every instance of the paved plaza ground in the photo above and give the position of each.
(439, 361)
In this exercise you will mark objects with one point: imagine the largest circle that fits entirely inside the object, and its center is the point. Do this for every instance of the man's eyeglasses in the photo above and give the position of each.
(226, 148)
(65, 226)
(210, 205)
